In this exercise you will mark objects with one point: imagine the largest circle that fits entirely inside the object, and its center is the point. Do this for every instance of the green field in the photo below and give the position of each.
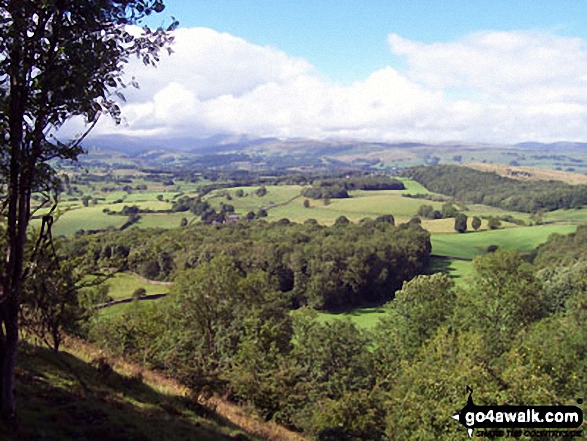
(286, 201)
(281, 201)
(87, 218)
(123, 285)
(469, 245)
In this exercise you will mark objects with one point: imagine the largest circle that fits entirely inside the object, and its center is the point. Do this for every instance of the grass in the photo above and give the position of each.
(123, 285)
(531, 173)
(53, 405)
(364, 318)
(87, 218)
(574, 215)
(162, 220)
(469, 245)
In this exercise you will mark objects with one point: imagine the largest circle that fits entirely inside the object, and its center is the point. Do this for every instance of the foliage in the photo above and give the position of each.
(489, 188)
(329, 192)
(329, 268)
(261, 191)
(493, 223)
(50, 303)
(562, 248)
(418, 309)
(504, 298)
(514, 333)
(461, 223)
(361, 183)
(59, 59)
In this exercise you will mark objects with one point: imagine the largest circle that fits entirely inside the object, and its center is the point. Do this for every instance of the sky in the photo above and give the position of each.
(489, 71)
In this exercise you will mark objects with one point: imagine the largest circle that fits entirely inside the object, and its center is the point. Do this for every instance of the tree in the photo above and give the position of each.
(386, 218)
(503, 297)
(59, 59)
(461, 222)
(476, 223)
(493, 223)
(138, 293)
(341, 220)
(425, 211)
(448, 210)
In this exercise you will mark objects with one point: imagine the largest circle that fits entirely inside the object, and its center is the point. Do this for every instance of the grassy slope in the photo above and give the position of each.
(54, 406)
(472, 244)
(531, 173)
(122, 286)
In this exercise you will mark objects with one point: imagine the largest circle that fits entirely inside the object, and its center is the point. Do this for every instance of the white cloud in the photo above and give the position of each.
(490, 86)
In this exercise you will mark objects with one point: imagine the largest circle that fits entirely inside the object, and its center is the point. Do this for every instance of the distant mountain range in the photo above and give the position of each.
(558, 146)
(228, 143)
(262, 153)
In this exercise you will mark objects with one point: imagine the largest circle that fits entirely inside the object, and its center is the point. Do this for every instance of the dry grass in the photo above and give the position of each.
(230, 411)
(266, 430)
(530, 173)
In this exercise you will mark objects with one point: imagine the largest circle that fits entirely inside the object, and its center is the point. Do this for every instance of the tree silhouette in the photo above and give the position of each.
(58, 59)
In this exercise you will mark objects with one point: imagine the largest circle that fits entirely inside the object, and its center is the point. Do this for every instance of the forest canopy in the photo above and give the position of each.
(515, 333)
(332, 268)
(473, 186)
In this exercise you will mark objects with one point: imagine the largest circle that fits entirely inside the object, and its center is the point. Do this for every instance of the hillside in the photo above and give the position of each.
(245, 153)
(65, 398)
(530, 173)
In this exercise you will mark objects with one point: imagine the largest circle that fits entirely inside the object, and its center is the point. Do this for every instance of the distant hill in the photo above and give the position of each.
(553, 146)
(531, 173)
(272, 153)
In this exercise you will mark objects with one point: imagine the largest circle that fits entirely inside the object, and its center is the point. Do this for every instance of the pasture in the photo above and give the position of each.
(122, 286)
(472, 244)
(286, 201)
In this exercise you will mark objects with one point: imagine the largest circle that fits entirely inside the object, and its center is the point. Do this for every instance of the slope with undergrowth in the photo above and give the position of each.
(62, 397)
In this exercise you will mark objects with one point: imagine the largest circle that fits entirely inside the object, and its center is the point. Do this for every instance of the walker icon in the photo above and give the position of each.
(473, 417)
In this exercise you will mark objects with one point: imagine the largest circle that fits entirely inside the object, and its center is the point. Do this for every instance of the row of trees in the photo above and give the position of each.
(338, 188)
(473, 186)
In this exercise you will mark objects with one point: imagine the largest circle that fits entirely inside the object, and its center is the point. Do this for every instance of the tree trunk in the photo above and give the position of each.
(18, 196)
(9, 348)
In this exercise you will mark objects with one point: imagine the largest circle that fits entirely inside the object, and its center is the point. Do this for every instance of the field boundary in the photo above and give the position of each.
(131, 299)
(464, 259)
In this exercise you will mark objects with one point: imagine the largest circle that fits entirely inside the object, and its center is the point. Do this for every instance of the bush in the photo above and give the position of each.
(341, 220)
(493, 223)
(138, 293)
(461, 223)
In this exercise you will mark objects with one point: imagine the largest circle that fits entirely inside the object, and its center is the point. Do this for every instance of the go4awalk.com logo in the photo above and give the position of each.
(520, 420)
